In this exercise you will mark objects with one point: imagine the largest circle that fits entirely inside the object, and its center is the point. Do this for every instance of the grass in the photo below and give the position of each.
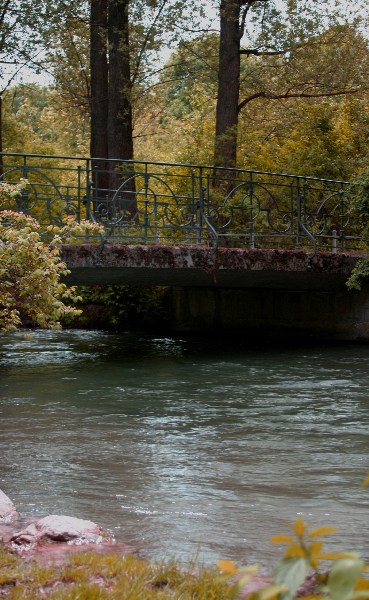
(91, 576)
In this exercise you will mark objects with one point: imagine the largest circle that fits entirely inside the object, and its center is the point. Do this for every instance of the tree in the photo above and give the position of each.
(279, 36)
(38, 121)
(25, 37)
(18, 45)
(318, 136)
(124, 41)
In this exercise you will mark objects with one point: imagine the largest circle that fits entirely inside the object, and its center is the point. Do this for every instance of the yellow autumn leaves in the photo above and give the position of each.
(305, 554)
(30, 268)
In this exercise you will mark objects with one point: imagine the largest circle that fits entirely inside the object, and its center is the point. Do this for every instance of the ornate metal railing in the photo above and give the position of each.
(148, 202)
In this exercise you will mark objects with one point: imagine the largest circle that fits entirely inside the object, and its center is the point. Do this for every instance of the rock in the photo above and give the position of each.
(255, 583)
(8, 512)
(54, 553)
(53, 539)
(311, 586)
(60, 528)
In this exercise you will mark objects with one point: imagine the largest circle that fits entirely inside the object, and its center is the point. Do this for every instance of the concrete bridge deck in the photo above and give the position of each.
(196, 266)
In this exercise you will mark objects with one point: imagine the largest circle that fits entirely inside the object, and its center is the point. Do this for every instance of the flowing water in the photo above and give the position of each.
(187, 447)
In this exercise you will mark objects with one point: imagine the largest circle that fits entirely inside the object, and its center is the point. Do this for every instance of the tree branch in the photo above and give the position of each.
(146, 41)
(271, 96)
(257, 52)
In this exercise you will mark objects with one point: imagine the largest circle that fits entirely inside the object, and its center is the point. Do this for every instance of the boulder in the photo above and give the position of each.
(8, 512)
(60, 528)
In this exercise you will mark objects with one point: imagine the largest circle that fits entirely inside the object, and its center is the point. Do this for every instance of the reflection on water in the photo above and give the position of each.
(182, 446)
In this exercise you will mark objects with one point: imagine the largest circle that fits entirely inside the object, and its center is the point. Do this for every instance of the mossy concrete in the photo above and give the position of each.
(200, 266)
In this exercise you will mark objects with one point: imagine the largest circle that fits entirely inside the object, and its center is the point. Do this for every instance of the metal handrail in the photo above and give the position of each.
(139, 201)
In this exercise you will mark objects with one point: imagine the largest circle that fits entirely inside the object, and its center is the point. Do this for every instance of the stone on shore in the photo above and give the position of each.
(8, 512)
(61, 528)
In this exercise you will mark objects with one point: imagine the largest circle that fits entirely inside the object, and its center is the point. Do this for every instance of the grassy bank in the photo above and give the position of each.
(91, 576)
(306, 571)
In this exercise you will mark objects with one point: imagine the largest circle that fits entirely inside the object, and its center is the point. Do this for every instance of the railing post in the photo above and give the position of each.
(23, 200)
(146, 203)
(342, 223)
(200, 209)
(79, 168)
(89, 185)
(298, 212)
(251, 218)
(334, 240)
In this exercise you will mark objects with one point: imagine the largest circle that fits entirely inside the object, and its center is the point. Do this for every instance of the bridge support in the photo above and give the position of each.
(332, 315)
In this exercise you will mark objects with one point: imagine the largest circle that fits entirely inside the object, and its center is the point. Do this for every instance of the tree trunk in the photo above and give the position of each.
(120, 111)
(228, 85)
(99, 97)
(120, 138)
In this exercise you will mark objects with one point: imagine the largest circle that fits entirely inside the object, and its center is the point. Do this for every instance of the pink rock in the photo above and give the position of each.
(8, 512)
(256, 582)
(60, 528)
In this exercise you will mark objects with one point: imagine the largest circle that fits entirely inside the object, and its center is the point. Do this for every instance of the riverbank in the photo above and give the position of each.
(63, 557)
(75, 558)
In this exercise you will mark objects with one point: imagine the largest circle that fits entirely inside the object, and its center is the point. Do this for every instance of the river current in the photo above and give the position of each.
(187, 448)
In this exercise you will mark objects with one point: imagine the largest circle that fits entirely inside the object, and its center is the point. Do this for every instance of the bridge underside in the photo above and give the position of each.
(193, 266)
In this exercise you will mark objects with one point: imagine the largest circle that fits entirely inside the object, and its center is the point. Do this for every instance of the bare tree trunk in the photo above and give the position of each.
(99, 97)
(228, 85)
(99, 79)
(120, 138)
(120, 111)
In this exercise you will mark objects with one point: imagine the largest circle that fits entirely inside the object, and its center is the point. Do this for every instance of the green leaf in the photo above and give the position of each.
(270, 592)
(291, 572)
(343, 577)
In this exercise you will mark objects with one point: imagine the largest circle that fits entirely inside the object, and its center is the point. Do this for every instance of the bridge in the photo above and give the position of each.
(240, 249)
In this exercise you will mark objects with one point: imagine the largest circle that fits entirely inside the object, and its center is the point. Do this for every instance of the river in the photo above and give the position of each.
(187, 448)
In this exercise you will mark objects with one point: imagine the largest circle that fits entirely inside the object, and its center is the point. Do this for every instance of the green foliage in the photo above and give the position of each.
(37, 120)
(360, 196)
(125, 307)
(30, 269)
(360, 211)
(359, 274)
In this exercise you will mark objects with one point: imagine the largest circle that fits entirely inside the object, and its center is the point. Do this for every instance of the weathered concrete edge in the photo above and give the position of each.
(198, 257)
(195, 266)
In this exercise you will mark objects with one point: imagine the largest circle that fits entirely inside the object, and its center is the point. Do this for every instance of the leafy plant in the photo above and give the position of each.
(359, 274)
(30, 269)
(360, 210)
(304, 554)
(360, 196)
